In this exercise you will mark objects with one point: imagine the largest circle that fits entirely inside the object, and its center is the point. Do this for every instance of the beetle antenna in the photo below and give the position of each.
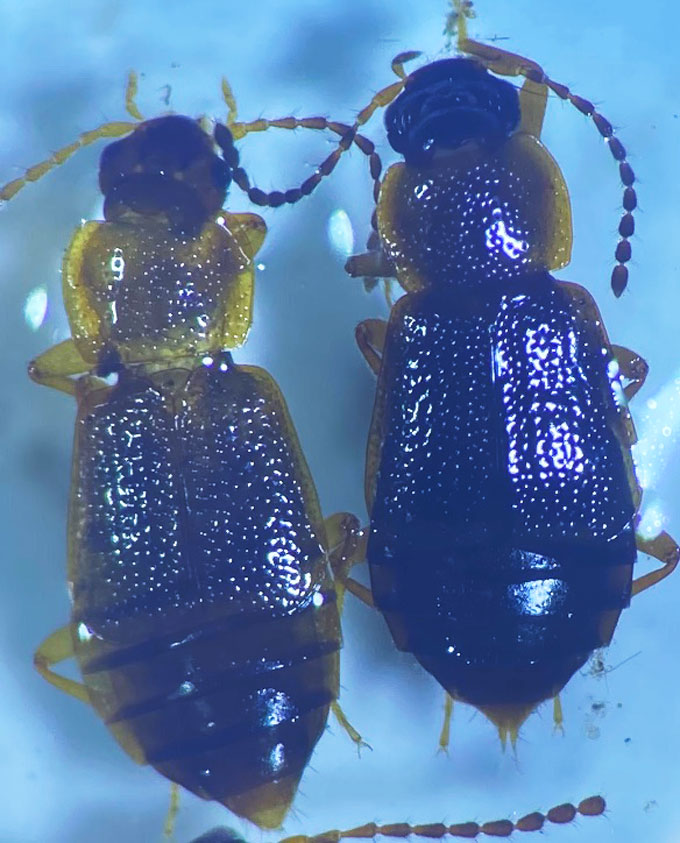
(115, 129)
(112, 129)
(593, 806)
(131, 97)
(505, 63)
(348, 136)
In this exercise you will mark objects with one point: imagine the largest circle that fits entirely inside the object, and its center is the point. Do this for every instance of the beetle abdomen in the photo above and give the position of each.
(229, 709)
(499, 625)
(204, 616)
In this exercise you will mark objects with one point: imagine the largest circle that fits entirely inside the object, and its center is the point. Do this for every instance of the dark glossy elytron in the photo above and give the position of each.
(499, 480)
(204, 615)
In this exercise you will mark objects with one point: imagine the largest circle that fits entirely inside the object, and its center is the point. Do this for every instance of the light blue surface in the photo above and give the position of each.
(62, 777)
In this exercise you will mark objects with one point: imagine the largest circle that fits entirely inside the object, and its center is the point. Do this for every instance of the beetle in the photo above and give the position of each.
(157, 397)
(204, 615)
(499, 479)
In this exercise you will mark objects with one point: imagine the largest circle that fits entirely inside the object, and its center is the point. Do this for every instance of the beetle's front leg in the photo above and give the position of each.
(56, 366)
(346, 547)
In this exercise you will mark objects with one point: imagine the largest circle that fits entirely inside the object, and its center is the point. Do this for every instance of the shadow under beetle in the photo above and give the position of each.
(204, 616)
(499, 478)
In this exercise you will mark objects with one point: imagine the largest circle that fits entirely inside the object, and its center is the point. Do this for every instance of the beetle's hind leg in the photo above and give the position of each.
(445, 734)
(173, 810)
(56, 648)
(354, 736)
(347, 546)
(664, 548)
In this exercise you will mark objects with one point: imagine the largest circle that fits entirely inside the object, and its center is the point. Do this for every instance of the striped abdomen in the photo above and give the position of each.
(204, 616)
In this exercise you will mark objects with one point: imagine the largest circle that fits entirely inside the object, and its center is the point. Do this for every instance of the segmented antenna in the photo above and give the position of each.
(348, 136)
(593, 806)
(113, 129)
(510, 64)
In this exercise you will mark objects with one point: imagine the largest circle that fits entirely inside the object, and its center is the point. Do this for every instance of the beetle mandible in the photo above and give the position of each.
(499, 478)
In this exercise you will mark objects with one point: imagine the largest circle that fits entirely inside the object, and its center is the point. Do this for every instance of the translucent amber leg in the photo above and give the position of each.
(370, 337)
(665, 549)
(445, 734)
(55, 649)
(173, 810)
(533, 98)
(56, 366)
(345, 549)
(341, 717)
(558, 717)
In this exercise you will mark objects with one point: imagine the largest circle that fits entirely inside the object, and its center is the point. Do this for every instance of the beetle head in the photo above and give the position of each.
(447, 103)
(166, 166)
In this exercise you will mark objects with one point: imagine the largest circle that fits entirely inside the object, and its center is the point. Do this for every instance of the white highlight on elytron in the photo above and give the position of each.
(35, 307)
(341, 233)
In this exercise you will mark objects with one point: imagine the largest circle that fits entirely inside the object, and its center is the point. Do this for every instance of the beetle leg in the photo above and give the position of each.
(633, 368)
(371, 264)
(370, 337)
(346, 547)
(533, 98)
(55, 366)
(344, 536)
(491, 57)
(665, 549)
(361, 592)
(56, 648)
(558, 717)
(341, 717)
(445, 734)
(173, 810)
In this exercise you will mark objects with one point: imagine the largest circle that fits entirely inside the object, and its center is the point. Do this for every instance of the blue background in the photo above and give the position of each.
(62, 778)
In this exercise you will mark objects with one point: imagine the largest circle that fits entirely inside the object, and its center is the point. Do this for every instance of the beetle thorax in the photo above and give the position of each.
(472, 218)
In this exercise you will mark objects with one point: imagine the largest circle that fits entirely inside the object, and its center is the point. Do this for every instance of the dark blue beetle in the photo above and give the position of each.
(499, 480)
